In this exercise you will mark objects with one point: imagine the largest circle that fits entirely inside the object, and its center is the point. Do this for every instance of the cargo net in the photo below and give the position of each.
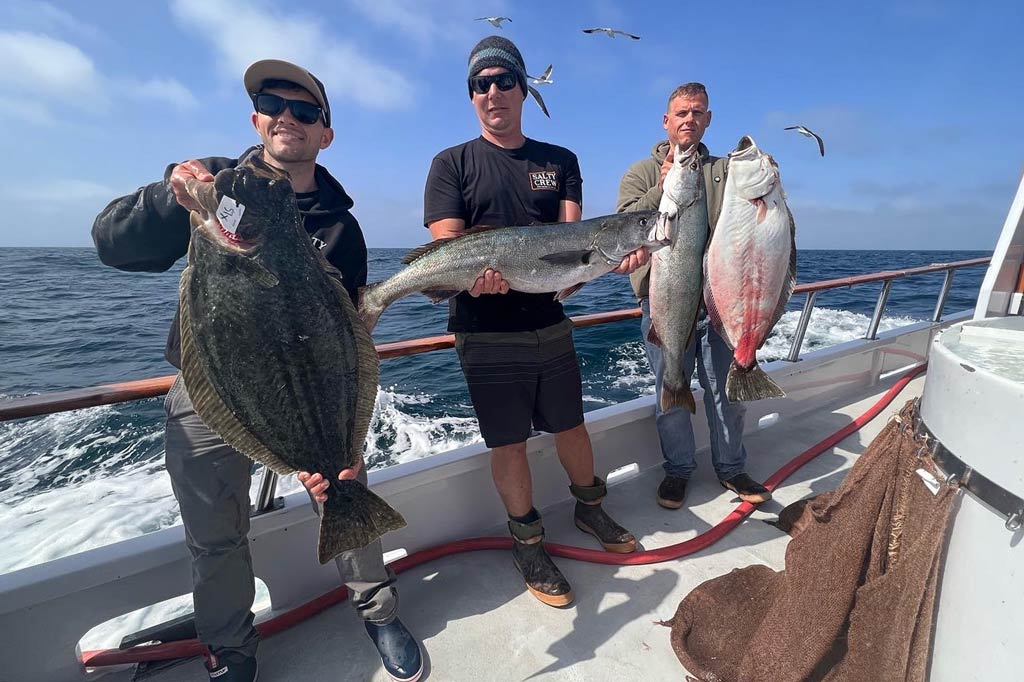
(856, 601)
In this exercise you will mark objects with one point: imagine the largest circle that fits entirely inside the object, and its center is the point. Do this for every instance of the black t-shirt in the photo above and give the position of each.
(484, 184)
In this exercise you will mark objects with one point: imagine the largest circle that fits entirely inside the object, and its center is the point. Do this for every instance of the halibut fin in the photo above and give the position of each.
(753, 384)
(353, 517)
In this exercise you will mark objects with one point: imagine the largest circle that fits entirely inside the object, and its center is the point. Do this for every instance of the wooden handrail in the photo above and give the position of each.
(108, 394)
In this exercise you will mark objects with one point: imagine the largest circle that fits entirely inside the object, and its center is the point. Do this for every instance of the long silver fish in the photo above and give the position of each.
(676, 273)
(750, 267)
(274, 357)
(535, 259)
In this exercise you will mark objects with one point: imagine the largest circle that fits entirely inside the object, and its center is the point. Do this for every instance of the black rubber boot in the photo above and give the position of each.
(542, 577)
(398, 650)
(591, 518)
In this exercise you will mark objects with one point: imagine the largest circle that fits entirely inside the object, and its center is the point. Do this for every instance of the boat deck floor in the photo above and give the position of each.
(477, 621)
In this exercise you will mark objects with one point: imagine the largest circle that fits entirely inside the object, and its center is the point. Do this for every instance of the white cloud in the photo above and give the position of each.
(46, 66)
(49, 69)
(242, 33)
(24, 110)
(167, 90)
(426, 23)
(59, 191)
(46, 18)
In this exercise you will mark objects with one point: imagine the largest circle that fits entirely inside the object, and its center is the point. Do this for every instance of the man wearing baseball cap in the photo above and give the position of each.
(149, 231)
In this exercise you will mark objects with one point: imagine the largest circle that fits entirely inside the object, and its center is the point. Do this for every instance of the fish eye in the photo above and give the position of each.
(693, 166)
(643, 222)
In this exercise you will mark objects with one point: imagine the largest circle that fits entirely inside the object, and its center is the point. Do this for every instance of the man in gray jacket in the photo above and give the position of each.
(148, 231)
(685, 120)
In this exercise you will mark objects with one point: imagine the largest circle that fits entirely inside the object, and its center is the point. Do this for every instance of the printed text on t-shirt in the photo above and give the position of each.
(544, 180)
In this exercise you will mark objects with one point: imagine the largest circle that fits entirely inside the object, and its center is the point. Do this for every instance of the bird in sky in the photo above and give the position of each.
(545, 77)
(494, 21)
(808, 133)
(610, 32)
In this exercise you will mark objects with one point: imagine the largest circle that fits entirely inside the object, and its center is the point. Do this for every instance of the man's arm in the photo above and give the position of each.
(569, 211)
(636, 193)
(491, 282)
(149, 229)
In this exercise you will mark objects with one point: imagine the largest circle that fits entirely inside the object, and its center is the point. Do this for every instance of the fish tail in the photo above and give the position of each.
(353, 517)
(681, 396)
(370, 307)
(752, 384)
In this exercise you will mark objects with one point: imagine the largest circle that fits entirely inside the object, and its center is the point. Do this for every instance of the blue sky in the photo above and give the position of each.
(919, 102)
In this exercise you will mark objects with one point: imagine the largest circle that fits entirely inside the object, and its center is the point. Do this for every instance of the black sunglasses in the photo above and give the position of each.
(273, 105)
(482, 84)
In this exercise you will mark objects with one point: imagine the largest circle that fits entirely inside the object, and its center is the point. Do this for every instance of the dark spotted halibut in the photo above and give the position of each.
(274, 356)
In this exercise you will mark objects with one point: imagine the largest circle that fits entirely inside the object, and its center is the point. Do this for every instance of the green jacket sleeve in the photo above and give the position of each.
(638, 191)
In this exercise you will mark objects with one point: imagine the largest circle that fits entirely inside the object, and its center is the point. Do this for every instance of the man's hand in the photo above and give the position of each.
(317, 485)
(633, 261)
(666, 165)
(491, 282)
(181, 173)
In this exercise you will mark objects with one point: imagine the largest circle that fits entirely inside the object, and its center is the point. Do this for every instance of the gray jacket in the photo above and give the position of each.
(639, 191)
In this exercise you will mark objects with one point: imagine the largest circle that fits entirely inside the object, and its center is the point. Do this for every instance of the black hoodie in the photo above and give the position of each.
(147, 231)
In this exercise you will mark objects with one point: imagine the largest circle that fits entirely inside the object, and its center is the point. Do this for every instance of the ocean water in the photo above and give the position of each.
(83, 479)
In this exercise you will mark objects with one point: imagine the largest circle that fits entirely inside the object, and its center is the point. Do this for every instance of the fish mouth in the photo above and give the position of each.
(661, 232)
(207, 225)
(745, 149)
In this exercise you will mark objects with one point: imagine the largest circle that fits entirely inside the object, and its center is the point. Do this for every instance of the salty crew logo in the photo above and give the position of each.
(544, 180)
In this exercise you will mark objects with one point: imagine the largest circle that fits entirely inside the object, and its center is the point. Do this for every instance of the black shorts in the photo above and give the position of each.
(519, 379)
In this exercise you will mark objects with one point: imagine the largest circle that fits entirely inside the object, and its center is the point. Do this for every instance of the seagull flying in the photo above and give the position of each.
(808, 133)
(610, 32)
(545, 77)
(494, 21)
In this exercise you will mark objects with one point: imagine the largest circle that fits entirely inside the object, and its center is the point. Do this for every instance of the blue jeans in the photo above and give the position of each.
(712, 358)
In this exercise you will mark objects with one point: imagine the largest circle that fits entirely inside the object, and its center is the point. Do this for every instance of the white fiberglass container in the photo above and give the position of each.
(973, 404)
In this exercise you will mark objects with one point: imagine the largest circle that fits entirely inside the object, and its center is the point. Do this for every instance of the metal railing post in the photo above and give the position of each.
(941, 303)
(268, 488)
(876, 317)
(801, 328)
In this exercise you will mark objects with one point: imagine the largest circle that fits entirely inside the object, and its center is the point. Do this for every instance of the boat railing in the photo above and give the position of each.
(109, 394)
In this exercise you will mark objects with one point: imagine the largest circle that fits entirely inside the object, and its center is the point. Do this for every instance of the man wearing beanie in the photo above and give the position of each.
(515, 348)
(149, 231)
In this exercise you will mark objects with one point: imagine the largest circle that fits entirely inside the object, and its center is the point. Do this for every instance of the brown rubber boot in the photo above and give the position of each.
(591, 518)
(543, 579)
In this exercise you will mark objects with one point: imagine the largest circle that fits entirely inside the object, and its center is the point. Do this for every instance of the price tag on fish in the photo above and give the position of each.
(229, 213)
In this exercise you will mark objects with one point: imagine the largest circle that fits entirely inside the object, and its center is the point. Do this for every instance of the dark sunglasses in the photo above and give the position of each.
(273, 105)
(482, 84)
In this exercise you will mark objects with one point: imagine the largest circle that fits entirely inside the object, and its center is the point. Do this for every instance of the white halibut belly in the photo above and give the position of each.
(748, 263)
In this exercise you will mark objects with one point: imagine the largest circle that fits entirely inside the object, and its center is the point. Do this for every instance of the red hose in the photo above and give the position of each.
(192, 647)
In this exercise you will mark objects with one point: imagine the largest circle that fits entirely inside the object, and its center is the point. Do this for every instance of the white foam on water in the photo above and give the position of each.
(631, 370)
(827, 327)
(397, 435)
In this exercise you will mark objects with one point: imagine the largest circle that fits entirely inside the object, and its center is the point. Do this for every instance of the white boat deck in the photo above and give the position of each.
(477, 621)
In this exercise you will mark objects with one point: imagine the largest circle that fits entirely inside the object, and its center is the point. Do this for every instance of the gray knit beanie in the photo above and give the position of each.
(496, 51)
